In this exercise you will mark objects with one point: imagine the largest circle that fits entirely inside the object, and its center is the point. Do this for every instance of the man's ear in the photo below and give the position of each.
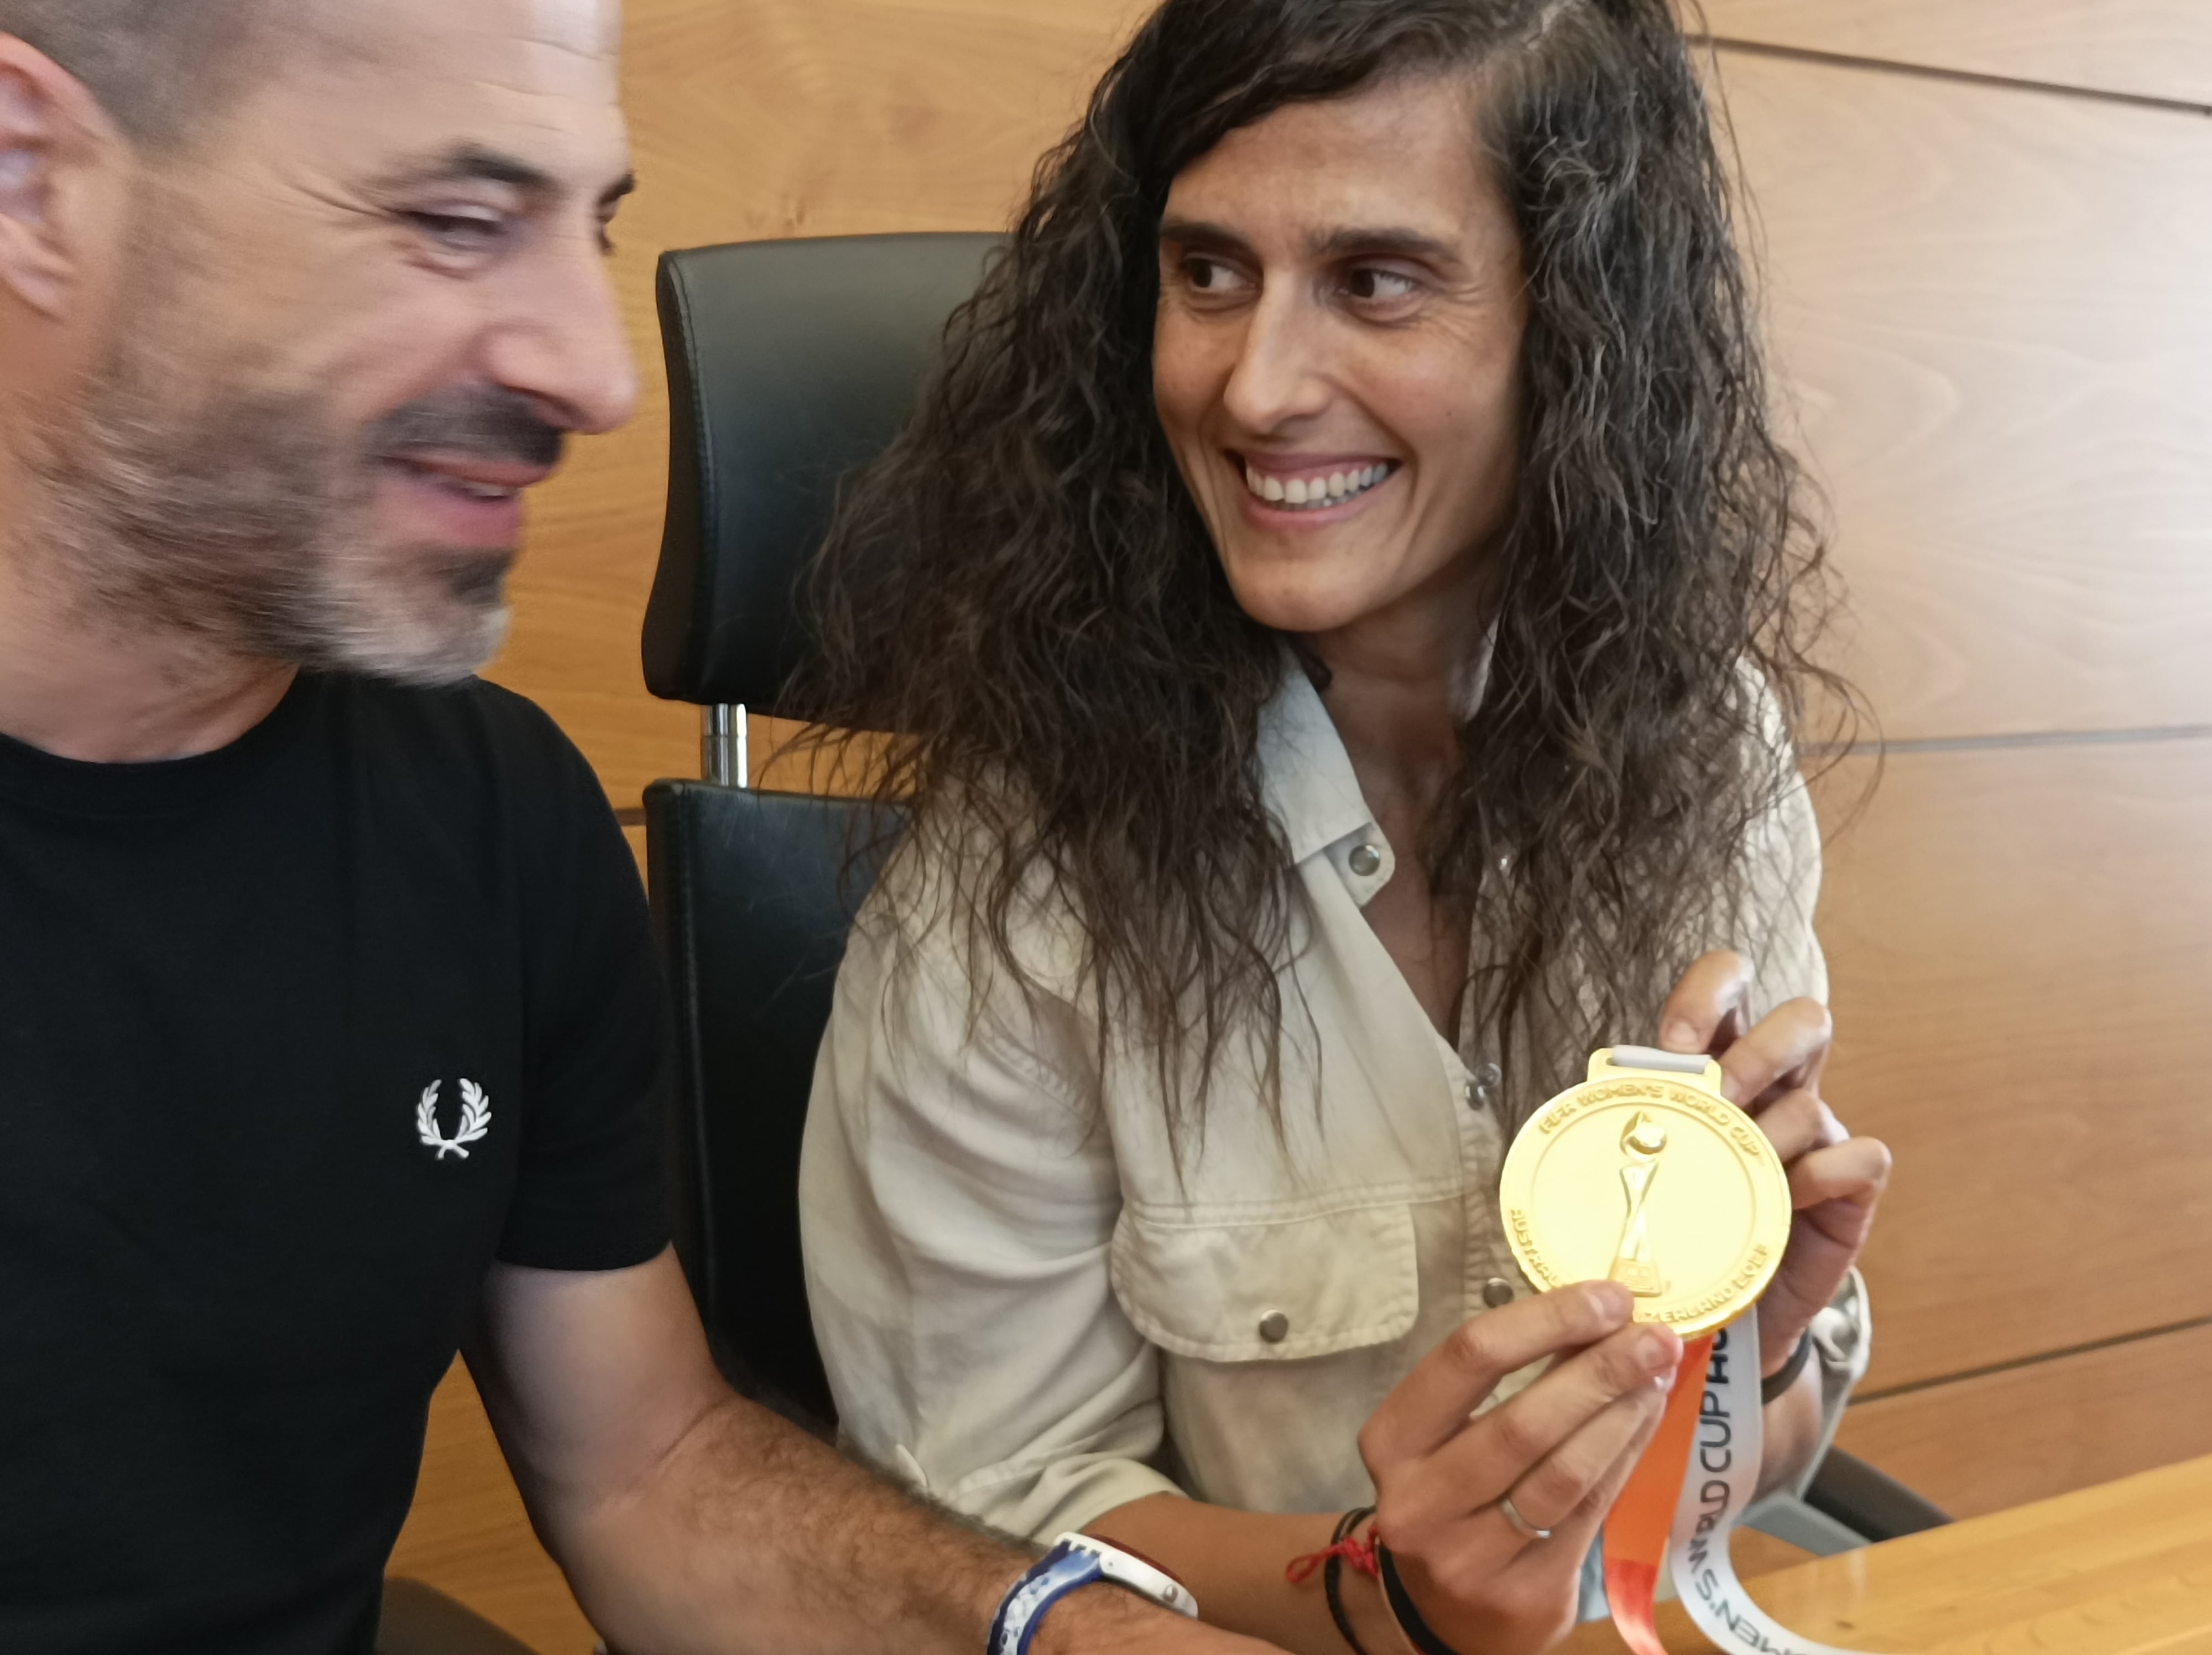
(61, 165)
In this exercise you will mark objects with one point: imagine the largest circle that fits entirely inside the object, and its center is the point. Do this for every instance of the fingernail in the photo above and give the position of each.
(1657, 1350)
(1678, 1036)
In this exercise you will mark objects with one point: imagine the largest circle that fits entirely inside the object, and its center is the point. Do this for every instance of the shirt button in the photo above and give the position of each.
(1274, 1327)
(1497, 1291)
(1365, 859)
(1488, 1076)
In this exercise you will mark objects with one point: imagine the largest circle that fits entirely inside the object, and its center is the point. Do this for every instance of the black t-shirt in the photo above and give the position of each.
(295, 1040)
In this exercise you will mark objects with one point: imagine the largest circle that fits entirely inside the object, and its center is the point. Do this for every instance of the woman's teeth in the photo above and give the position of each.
(1312, 493)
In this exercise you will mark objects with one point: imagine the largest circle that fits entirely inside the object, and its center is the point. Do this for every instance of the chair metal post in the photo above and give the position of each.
(725, 755)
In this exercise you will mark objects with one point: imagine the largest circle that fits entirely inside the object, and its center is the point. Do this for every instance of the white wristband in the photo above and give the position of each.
(1125, 1569)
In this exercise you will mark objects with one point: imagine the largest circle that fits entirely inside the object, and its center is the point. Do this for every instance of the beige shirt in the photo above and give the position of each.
(1028, 1311)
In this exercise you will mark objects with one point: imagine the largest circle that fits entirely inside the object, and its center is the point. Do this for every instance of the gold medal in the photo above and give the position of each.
(1647, 1176)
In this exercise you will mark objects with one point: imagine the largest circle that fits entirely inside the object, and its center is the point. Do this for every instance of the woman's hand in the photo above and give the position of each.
(1773, 1071)
(1561, 1448)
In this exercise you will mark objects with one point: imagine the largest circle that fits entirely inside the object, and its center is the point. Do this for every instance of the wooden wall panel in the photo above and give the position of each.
(1991, 308)
(2148, 48)
(1988, 299)
(469, 1536)
(1991, 1443)
(755, 118)
(2021, 944)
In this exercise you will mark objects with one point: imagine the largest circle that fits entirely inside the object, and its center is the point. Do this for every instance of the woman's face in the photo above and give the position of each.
(1336, 362)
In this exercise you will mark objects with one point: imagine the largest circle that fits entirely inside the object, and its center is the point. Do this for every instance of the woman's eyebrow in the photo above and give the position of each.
(1386, 241)
(1202, 233)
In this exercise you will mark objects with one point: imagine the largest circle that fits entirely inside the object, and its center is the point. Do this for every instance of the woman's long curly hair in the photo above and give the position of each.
(1022, 591)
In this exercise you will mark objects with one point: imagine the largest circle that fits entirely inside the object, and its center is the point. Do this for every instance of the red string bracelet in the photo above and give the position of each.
(1360, 1553)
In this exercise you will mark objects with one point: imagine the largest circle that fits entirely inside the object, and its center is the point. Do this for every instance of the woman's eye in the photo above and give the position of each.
(1211, 275)
(1380, 286)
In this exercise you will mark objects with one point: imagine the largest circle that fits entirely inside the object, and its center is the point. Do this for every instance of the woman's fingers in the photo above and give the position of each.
(1494, 1454)
(1576, 1482)
(1478, 1563)
(1855, 1171)
(1431, 1405)
(1709, 1007)
(1786, 1049)
(1799, 1124)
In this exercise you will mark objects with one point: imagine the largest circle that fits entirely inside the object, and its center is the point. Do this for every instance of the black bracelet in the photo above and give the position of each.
(1332, 1577)
(1786, 1376)
(1417, 1632)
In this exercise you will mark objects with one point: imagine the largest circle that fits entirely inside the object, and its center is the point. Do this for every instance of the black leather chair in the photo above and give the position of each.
(790, 363)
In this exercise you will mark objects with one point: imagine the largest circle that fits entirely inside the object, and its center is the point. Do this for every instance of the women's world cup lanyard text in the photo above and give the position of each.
(1683, 1501)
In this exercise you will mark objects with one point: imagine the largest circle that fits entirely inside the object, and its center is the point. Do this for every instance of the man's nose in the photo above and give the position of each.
(1280, 375)
(563, 345)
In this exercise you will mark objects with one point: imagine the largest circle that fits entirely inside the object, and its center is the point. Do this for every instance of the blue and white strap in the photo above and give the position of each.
(1075, 1560)
(1051, 1578)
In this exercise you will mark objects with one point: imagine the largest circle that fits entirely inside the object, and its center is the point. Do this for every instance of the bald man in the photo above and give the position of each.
(329, 1035)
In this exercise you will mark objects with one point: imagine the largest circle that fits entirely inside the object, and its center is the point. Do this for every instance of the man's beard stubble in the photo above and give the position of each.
(179, 500)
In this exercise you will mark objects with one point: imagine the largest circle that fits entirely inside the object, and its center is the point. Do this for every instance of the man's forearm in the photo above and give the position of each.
(691, 1521)
(751, 1535)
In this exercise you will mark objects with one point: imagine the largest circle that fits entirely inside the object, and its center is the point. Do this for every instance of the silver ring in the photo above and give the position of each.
(1522, 1526)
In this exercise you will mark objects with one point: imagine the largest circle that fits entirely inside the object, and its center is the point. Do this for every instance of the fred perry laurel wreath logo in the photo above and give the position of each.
(475, 1119)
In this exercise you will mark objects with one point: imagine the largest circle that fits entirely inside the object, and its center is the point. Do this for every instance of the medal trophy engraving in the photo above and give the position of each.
(1643, 1141)
(1647, 1176)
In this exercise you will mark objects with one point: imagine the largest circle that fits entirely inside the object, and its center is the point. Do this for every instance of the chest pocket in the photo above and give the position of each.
(1268, 1290)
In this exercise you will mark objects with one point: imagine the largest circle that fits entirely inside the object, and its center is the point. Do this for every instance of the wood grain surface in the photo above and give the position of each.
(1982, 295)
(469, 1536)
(2020, 943)
(754, 118)
(2122, 1569)
(2148, 48)
(2025, 1433)
(1990, 308)
(1988, 299)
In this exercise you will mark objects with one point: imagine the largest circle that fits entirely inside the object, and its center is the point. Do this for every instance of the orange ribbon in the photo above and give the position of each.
(1637, 1530)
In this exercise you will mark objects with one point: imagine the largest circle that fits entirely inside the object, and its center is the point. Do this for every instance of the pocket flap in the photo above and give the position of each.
(1261, 1289)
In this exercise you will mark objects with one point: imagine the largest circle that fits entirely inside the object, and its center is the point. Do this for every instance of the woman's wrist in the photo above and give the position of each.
(1369, 1610)
(1776, 1378)
(1415, 1632)
(1346, 1572)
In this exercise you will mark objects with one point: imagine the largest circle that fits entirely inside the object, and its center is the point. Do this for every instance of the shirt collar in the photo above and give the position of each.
(1306, 776)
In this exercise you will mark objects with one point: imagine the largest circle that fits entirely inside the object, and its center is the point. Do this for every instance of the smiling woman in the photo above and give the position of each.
(1339, 610)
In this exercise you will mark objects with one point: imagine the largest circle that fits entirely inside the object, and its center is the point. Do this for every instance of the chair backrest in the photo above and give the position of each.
(789, 363)
(753, 893)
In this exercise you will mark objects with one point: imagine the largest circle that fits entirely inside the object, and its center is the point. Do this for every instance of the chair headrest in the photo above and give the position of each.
(789, 364)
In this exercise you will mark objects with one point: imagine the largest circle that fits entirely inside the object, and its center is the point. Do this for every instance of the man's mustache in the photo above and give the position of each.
(478, 422)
